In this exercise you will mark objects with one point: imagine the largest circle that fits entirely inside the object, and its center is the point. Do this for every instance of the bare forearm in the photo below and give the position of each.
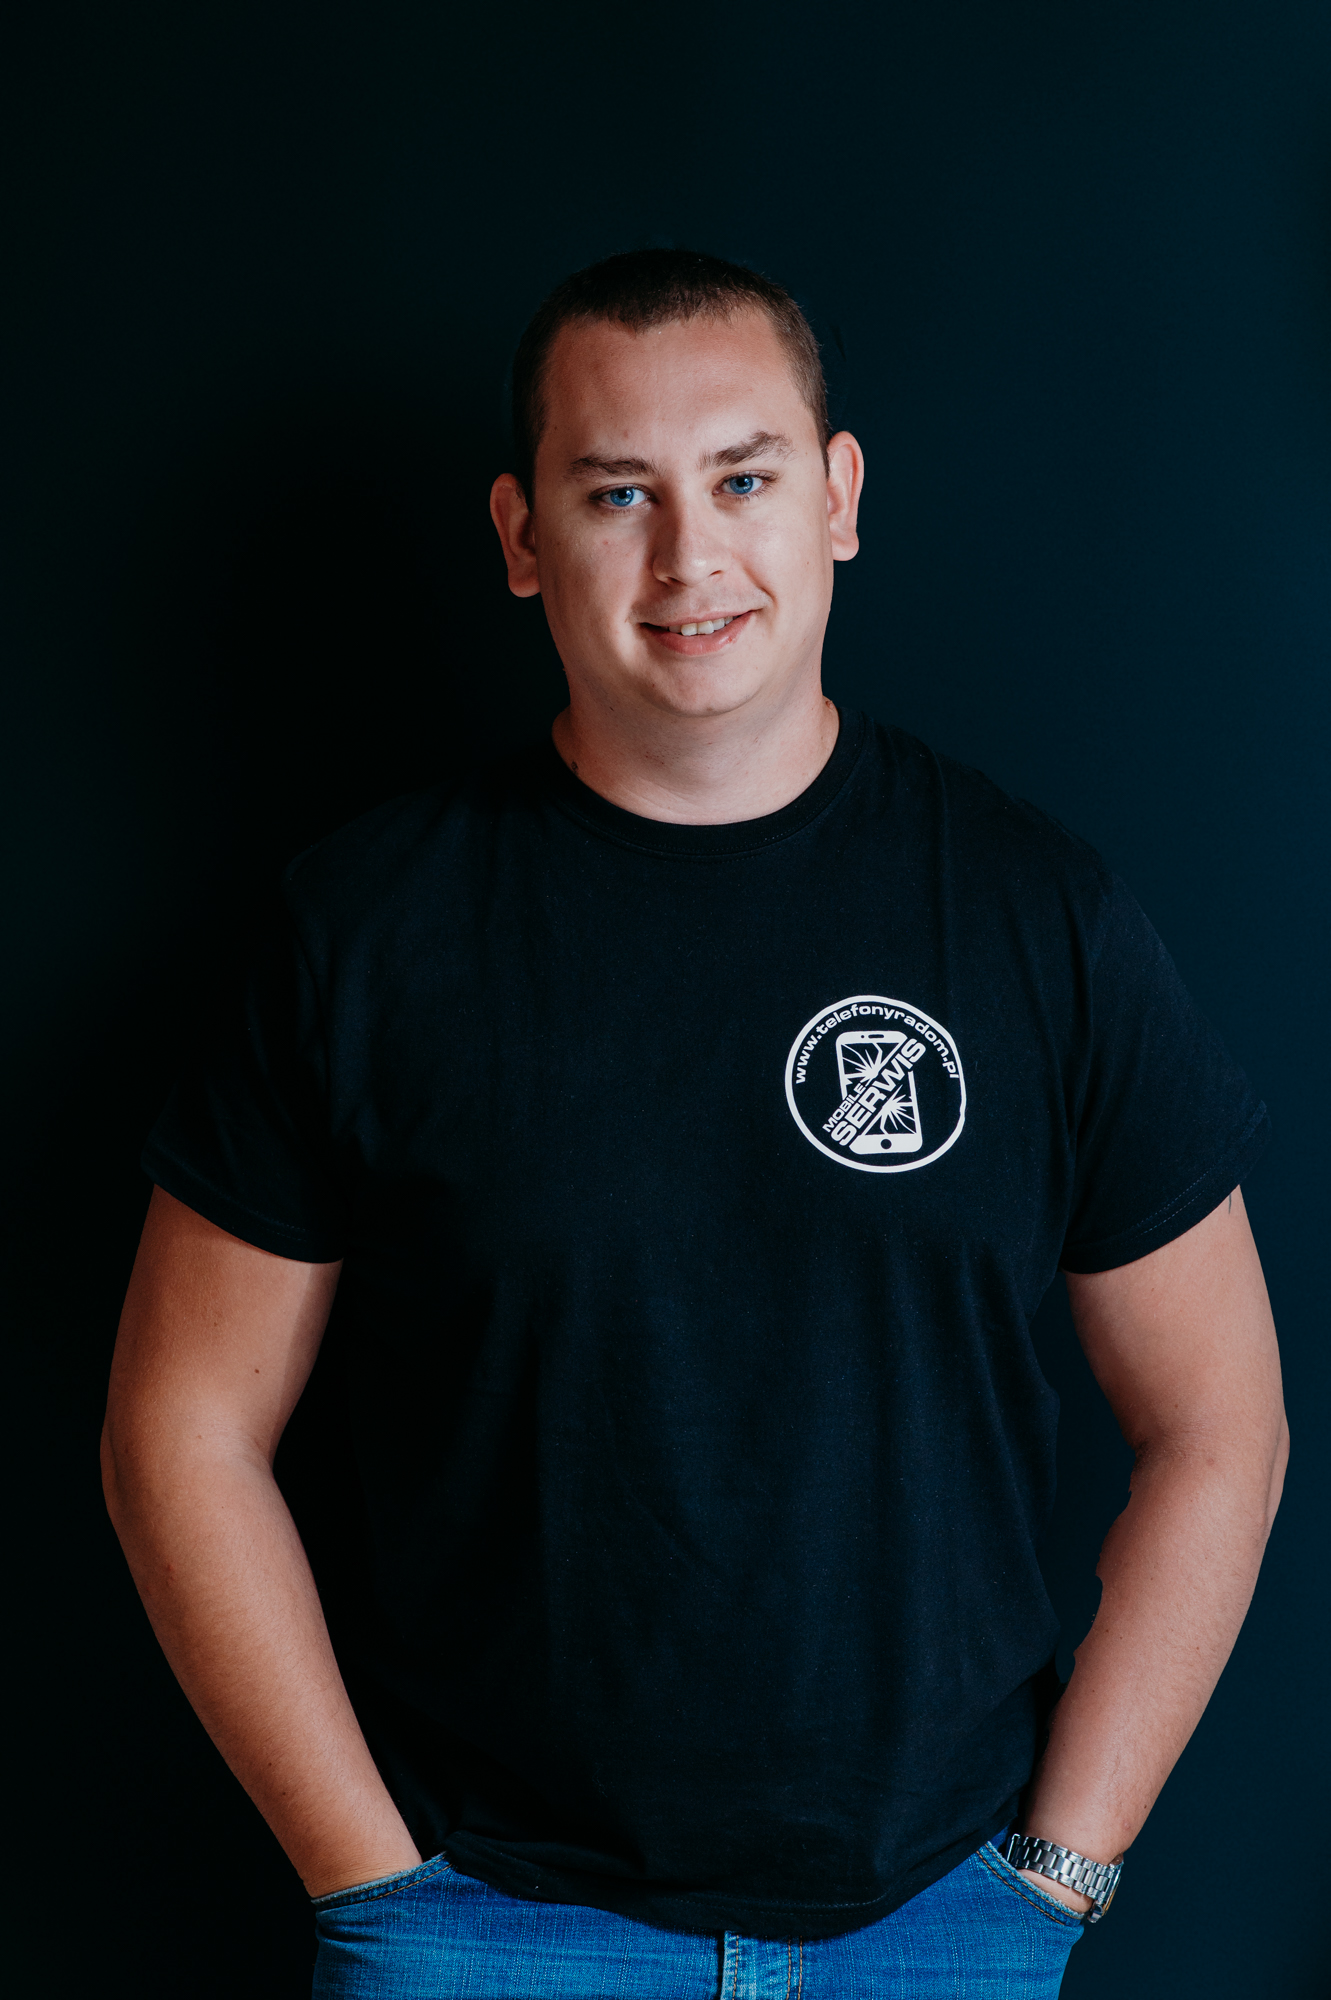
(227, 1586)
(1177, 1570)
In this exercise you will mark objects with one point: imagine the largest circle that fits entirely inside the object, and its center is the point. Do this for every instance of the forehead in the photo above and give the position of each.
(669, 388)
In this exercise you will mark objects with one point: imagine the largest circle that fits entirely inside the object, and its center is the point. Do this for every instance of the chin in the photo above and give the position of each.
(703, 690)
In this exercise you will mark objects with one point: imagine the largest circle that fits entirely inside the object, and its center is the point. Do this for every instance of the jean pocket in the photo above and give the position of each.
(380, 1886)
(1046, 1906)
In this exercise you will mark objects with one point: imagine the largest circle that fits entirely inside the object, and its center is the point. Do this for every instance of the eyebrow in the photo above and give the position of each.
(763, 444)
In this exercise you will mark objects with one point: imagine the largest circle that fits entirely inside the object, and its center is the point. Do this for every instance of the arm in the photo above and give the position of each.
(216, 1343)
(1183, 1346)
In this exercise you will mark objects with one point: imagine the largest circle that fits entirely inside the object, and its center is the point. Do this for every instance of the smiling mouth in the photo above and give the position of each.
(698, 628)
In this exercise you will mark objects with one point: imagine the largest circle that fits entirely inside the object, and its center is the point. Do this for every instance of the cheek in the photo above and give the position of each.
(602, 567)
(592, 575)
(787, 557)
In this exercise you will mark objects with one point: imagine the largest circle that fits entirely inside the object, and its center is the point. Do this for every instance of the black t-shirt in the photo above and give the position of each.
(696, 1186)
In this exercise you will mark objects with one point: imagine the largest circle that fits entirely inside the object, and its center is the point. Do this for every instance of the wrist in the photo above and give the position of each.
(328, 1874)
(1084, 1884)
(1059, 1891)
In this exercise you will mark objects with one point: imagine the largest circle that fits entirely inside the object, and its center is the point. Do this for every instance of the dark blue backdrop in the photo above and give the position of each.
(266, 265)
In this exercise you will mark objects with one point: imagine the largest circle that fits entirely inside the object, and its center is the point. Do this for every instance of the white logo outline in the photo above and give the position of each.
(915, 1018)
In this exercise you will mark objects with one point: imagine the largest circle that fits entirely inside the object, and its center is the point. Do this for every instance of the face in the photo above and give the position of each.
(680, 485)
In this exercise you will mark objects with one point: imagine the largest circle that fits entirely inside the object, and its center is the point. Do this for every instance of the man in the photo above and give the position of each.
(675, 1136)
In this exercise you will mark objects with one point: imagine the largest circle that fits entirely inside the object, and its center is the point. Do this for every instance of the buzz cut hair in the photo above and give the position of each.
(639, 289)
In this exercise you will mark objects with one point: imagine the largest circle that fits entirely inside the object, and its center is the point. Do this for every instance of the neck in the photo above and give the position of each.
(699, 770)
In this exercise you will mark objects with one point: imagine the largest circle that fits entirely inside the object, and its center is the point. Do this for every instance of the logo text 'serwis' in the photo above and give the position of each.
(879, 1110)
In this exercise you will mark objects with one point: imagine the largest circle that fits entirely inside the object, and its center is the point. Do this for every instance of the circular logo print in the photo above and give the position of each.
(877, 1085)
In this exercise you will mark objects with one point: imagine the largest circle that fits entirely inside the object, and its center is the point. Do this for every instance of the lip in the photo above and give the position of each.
(709, 642)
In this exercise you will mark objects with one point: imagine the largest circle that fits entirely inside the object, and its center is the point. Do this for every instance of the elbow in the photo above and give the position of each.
(161, 1461)
(1279, 1461)
(129, 1468)
(111, 1484)
(143, 1469)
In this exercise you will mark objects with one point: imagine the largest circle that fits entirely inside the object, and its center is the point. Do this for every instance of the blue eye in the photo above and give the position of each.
(742, 484)
(621, 496)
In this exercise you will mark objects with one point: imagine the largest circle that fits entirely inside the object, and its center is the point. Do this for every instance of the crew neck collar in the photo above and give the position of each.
(744, 836)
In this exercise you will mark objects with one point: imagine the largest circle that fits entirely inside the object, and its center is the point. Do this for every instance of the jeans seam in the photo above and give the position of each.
(1041, 1903)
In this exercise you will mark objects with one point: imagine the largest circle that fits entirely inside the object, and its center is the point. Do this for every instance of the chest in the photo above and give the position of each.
(716, 1063)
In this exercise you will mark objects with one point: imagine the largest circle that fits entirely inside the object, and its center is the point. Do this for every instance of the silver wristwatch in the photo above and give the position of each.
(1096, 1879)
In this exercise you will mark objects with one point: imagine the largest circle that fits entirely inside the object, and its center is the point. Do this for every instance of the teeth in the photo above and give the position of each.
(707, 625)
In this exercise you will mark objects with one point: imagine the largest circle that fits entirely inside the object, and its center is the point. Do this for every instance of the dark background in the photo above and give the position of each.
(264, 268)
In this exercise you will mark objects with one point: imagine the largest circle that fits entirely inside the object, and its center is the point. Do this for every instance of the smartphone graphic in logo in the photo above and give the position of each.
(880, 1080)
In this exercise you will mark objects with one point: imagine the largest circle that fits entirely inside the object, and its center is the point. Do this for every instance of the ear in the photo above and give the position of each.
(845, 482)
(516, 528)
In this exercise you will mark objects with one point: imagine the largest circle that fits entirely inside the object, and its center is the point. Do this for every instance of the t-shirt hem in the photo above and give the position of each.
(265, 1232)
(1176, 1217)
(709, 1911)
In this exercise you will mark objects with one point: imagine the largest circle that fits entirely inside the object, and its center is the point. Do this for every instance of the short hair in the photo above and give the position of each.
(644, 288)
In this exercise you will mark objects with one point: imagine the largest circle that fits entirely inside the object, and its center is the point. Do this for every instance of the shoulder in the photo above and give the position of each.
(407, 853)
(991, 842)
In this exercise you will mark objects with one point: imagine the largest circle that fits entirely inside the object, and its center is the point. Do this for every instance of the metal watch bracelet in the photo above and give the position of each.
(1096, 1879)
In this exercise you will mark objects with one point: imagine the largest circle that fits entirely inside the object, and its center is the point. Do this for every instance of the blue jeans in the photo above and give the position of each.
(981, 1933)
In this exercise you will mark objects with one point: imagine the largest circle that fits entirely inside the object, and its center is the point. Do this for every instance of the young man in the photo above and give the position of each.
(675, 1131)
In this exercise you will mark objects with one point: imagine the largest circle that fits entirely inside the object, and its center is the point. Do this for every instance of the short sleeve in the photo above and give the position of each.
(1169, 1124)
(243, 1139)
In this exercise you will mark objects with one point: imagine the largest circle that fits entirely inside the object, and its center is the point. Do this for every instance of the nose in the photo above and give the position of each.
(689, 545)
